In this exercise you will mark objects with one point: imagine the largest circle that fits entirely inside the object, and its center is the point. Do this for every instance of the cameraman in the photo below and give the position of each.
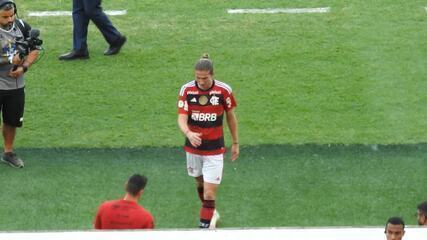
(13, 65)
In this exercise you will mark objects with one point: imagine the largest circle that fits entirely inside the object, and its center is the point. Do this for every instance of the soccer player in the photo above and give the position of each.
(126, 213)
(394, 228)
(202, 105)
(422, 214)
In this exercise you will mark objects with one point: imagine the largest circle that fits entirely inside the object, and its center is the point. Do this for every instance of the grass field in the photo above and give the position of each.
(314, 92)
(273, 185)
(355, 75)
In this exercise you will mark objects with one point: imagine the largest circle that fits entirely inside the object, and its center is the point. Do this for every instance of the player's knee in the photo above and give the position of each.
(209, 195)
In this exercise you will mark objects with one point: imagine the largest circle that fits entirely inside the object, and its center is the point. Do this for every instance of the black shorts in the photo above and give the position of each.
(12, 106)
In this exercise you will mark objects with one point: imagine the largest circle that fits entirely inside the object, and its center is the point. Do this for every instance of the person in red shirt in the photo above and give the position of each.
(126, 213)
(202, 105)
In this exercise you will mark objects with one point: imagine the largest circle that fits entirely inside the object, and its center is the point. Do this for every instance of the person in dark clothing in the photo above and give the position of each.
(83, 12)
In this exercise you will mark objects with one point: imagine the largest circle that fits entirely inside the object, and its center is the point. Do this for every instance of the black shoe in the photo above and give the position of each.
(75, 54)
(115, 48)
(11, 159)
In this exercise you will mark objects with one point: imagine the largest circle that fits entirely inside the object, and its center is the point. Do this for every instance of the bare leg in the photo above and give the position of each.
(9, 134)
(200, 188)
(208, 206)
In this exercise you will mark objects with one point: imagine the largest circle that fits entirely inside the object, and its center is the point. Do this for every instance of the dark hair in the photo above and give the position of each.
(395, 221)
(422, 207)
(136, 183)
(7, 6)
(204, 64)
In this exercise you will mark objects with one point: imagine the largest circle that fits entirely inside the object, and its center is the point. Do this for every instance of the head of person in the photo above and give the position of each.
(394, 228)
(135, 185)
(204, 72)
(422, 213)
(7, 14)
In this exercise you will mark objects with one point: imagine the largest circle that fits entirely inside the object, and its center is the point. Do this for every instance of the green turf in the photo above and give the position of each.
(354, 75)
(350, 77)
(270, 186)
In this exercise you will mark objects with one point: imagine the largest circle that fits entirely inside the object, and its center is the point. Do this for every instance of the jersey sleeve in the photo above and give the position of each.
(229, 101)
(150, 223)
(182, 101)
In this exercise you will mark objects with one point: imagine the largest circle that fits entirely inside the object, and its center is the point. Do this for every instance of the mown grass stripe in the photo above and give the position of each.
(69, 13)
(280, 10)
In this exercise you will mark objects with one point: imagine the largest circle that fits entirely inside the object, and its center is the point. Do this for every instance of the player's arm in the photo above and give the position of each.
(232, 125)
(150, 223)
(193, 137)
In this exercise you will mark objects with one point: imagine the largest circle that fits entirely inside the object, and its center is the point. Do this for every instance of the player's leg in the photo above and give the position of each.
(194, 169)
(208, 208)
(212, 175)
(200, 188)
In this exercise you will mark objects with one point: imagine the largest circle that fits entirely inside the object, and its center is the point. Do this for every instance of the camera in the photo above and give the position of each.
(25, 46)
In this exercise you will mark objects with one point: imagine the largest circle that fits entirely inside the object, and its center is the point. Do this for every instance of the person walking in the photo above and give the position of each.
(202, 105)
(83, 12)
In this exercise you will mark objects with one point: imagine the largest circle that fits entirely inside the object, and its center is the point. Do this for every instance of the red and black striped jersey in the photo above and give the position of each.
(205, 110)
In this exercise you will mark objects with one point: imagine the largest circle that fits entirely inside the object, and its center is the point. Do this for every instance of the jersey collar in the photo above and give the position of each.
(213, 84)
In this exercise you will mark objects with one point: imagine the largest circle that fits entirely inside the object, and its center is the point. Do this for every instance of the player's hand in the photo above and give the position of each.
(194, 138)
(235, 151)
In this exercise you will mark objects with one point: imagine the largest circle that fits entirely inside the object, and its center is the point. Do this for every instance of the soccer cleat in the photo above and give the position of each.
(214, 220)
(11, 159)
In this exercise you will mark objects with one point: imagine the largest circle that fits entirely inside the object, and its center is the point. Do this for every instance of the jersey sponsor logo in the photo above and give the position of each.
(203, 100)
(214, 92)
(192, 92)
(204, 117)
(214, 100)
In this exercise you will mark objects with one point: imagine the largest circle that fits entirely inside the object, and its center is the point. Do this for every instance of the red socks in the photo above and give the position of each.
(206, 213)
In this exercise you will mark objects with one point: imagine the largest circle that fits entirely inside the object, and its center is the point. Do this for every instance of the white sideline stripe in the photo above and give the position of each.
(281, 10)
(69, 13)
(365, 233)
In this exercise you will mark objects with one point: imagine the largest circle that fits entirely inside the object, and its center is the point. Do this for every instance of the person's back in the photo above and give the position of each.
(126, 213)
(123, 214)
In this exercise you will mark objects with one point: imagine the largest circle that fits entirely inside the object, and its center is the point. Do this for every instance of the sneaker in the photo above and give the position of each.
(11, 159)
(214, 220)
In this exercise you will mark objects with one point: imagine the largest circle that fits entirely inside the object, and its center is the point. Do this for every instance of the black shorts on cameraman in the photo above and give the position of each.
(12, 104)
